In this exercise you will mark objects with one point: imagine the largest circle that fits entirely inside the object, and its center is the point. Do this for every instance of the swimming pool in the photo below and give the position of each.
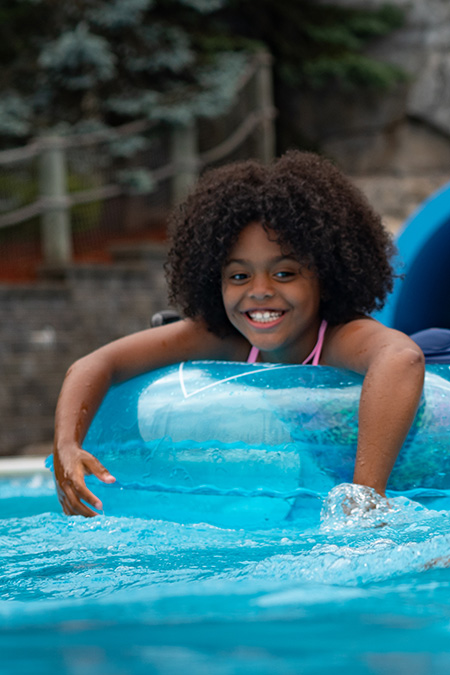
(125, 595)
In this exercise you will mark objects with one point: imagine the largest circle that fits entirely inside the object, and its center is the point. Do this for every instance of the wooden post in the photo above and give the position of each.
(55, 220)
(184, 154)
(264, 105)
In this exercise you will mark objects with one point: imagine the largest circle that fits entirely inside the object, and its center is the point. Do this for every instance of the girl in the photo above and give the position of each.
(280, 263)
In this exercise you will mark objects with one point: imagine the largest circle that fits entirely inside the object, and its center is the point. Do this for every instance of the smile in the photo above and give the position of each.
(264, 316)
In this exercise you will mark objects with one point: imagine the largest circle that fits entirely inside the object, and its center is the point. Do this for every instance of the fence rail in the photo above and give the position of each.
(252, 118)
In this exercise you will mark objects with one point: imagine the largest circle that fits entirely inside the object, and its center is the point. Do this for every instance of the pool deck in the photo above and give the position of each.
(22, 466)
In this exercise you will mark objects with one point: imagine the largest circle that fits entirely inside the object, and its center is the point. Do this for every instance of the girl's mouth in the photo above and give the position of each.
(264, 317)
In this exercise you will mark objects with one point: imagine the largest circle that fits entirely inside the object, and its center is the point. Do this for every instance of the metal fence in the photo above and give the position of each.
(63, 195)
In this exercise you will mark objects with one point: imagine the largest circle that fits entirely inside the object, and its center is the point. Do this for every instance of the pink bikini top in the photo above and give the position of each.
(314, 357)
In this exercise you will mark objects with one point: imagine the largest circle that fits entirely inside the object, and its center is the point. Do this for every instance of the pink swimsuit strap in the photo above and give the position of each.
(314, 357)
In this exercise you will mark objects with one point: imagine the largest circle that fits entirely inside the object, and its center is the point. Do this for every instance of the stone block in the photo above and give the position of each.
(48, 325)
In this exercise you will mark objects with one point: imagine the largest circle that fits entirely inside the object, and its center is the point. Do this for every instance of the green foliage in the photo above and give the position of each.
(66, 63)
(108, 62)
(17, 190)
(19, 20)
(117, 15)
(204, 6)
(169, 50)
(137, 181)
(15, 114)
(78, 60)
(85, 216)
(315, 45)
(351, 70)
(128, 146)
(214, 91)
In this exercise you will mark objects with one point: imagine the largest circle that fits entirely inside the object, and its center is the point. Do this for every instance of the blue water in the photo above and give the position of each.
(365, 593)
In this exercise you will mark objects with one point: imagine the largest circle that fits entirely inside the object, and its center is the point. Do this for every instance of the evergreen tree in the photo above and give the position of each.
(316, 44)
(92, 64)
(97, 63)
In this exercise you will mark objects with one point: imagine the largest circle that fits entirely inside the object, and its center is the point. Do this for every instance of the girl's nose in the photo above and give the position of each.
(261, 289)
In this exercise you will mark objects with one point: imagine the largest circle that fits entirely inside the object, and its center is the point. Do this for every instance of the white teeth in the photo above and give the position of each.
(264, 317)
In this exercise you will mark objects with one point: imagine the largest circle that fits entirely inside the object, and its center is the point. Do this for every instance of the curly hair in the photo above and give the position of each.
(318, 216)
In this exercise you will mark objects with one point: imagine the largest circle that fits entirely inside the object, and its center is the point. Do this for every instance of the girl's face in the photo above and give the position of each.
(270, 298)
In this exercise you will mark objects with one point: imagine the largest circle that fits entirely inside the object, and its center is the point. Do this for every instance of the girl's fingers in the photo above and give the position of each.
(96, 468)
(72, 489)
(70, 494)
(72, 504)
(83, 493)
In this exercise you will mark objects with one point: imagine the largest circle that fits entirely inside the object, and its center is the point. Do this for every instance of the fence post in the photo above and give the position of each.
(55, 220)
(184, 154)
(264, 105)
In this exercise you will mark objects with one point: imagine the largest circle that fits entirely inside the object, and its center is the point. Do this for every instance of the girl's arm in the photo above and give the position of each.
(393, 366)
(88, 380)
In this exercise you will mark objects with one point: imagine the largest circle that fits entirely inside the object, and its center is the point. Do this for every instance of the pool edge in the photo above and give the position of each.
(22, 466)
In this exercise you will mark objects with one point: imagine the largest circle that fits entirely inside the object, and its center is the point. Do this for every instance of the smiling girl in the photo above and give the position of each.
(280, 263)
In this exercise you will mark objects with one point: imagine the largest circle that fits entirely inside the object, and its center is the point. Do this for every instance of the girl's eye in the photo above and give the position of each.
(284, 274)
(239, 276)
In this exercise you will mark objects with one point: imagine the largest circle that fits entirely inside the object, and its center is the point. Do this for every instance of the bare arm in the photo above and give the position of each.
(393, 366)
(88, 380)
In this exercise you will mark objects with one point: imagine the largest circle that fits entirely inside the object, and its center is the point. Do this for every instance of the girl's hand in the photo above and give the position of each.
(351, 504)
(88, 380)
(71, 465)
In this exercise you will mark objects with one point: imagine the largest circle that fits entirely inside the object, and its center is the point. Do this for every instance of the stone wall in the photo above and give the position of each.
(45, 326)
(396, 146)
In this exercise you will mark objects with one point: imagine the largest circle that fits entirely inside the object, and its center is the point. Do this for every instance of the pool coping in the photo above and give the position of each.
(22, 466)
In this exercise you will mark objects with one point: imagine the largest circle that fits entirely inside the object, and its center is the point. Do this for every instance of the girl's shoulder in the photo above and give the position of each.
(342, 331)
(356, 343)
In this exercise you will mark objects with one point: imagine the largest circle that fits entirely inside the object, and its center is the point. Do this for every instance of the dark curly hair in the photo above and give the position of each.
(318, 216)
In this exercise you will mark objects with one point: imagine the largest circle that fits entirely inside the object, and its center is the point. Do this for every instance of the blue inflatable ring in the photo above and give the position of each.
(206, 437)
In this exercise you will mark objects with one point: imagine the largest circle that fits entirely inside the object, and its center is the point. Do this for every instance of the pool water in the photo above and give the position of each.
(364, 593)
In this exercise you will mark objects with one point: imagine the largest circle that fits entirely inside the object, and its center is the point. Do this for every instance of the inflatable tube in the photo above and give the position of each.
(420, 297)
(197, 440)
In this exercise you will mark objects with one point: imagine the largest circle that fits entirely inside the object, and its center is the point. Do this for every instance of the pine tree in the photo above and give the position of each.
(316, 44)
(93, 64)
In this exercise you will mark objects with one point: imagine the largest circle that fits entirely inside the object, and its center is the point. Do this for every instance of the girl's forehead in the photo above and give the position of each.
(255, 232)
(256, 239)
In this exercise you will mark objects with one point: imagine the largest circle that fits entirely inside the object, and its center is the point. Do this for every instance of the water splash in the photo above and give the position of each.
(350, 506)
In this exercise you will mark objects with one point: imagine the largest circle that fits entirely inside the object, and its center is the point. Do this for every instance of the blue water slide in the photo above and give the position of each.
(421, 297)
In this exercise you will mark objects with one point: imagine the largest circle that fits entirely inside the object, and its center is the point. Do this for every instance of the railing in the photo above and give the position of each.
(52, 163)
